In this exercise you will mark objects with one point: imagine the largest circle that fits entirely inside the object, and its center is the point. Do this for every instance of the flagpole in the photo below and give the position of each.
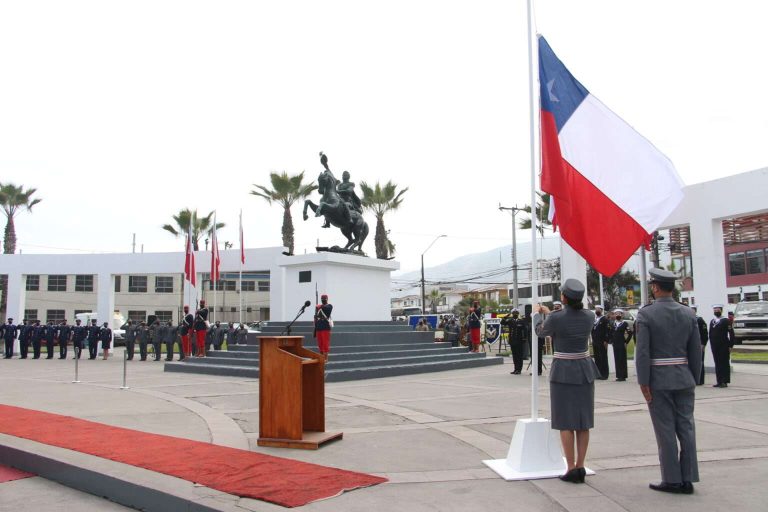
(214, 268)
(240, 286)
(534, 106)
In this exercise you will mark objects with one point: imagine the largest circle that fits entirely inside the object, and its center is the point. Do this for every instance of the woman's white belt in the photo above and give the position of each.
(571, 355)
(669, 361)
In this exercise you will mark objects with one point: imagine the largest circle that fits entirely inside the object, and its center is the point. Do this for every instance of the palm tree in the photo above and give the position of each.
(542, 214)
(200, 225)
(381, 200)
(13, 200)
(434, 297)
(286, 190)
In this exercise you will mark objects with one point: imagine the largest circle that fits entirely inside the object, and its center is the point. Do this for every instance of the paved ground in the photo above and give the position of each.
(427, 433)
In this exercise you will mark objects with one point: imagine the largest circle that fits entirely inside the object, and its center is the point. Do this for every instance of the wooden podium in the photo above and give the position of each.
(291, 395)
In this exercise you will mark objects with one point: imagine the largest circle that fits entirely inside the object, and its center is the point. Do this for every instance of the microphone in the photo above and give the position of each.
(307, 304)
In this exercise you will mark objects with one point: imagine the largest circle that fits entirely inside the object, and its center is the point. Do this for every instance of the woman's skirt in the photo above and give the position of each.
(572, 406)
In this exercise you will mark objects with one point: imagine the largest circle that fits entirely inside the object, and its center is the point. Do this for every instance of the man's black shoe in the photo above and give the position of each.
(687, 488)
(620, 380)
(665, 487)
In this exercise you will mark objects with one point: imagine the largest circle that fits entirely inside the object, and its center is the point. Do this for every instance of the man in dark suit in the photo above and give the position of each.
(721, 338)
(621, 335)
(79, 333)
(600, 342)
(517, 339)
(93, 339)
(64, 333)
(704, 335)
(37, 337)
(50, 339)
(25, 334)
(9, 333)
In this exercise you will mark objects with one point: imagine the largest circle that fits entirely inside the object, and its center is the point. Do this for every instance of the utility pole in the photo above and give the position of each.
(515, 293)
(423, 292)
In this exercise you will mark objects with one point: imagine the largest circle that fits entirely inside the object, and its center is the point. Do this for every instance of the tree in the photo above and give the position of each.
(542, 214)
(434, 297)
(200, 225)
(14, 200)
(381, 200)
(612, 286)
(286, 190)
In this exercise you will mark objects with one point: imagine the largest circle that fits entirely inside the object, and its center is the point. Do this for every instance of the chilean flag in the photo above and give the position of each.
(610, 187)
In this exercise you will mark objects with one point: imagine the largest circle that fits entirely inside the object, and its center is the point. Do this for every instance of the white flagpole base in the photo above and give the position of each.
(534, 453)
(611, 360)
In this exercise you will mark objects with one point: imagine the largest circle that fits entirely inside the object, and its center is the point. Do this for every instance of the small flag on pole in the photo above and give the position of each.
(610, 187)
(189, 260)
(215, 258)
(242, 244)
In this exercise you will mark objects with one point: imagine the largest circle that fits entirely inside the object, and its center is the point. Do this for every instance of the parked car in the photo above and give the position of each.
(750, 320)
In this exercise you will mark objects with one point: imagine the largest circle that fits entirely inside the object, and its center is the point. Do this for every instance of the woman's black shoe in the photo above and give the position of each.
(571, 476)
(582, 474)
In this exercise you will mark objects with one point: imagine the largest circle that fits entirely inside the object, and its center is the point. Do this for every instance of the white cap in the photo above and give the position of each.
(717, 306)
(599, 306)
(618, 311)
(515, 310)
(557, 303)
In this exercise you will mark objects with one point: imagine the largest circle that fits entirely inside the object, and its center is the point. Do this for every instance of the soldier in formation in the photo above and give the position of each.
(600, 342)
(65, 335)
(518, 335)
(9, 332)
(721, 343)
(621, 335)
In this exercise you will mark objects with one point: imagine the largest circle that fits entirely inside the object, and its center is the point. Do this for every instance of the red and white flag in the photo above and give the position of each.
(215, 258)
(610, 187)
(189, 259)
(242, 244)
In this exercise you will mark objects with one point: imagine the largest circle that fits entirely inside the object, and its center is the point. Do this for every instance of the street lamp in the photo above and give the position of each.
(423, 294)
(515, 294)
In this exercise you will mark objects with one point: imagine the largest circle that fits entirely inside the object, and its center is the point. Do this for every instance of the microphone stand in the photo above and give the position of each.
(287, 330)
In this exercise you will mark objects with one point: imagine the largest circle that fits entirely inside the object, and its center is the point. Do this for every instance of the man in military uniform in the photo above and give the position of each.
(50, 339)
(218, 336)
(201, 328)
(170, 339)
(38, 332)
(600, 342)
(517, 338)
(79, 333)
(93, 339)
(64, 333)
(704, 335)
(130, 339)
(185, 330)
(621, 335)
(721, 338)
(142, 337)
(9, 333)
(156, 335)
(25, 333)
(668, 363)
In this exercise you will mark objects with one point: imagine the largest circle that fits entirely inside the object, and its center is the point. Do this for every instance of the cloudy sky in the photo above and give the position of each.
(122, 113)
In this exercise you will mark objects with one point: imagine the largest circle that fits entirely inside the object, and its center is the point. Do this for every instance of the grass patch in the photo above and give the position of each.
(741, 356)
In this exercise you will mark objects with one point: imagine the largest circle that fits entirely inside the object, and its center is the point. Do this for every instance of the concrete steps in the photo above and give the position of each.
(359, 350)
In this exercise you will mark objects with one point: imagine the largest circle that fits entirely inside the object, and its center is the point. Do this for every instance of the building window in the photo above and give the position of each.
(228, 286)
(734, 298)
(33, 283)
(163, 284)
(233, 309)
(54, 315)
(752, 296)
(137, 284)
(138, 316)
(84, 283)
(248, 286)
(117, 284)
(264, 285)
(736, 264)
(305, 276)
(755, 262)
(57, 283)
(164, 316)
(30, 315)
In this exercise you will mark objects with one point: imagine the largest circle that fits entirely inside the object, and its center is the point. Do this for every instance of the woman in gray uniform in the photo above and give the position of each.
(572, 389)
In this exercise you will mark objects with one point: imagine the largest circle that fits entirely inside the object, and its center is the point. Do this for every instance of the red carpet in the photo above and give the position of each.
(9, 474)
(282, 481)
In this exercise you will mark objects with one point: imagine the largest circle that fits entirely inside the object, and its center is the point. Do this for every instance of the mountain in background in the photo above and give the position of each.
(479, 269)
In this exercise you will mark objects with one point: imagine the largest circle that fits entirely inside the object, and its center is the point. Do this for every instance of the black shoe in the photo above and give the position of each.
(539, 373)
(620, 380)
(719, 385)
(687, 488)
(671, 488)
(602, 378)
(724, 385)
(573, 476)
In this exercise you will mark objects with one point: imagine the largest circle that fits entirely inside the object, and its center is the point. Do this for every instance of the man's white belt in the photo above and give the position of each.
(571, 355)
(669, 361)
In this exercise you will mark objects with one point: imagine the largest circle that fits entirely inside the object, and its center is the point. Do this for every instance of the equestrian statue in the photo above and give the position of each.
(341, 207)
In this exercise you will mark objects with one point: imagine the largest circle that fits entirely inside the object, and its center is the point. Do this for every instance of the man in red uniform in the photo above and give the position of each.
(201, 328)
(323, 326)
(475, 315)
(187, 324)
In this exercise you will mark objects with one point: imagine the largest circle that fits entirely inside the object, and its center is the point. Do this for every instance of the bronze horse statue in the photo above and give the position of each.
(337, 212)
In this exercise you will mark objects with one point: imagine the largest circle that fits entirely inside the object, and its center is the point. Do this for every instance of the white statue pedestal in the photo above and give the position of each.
(358, 287)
